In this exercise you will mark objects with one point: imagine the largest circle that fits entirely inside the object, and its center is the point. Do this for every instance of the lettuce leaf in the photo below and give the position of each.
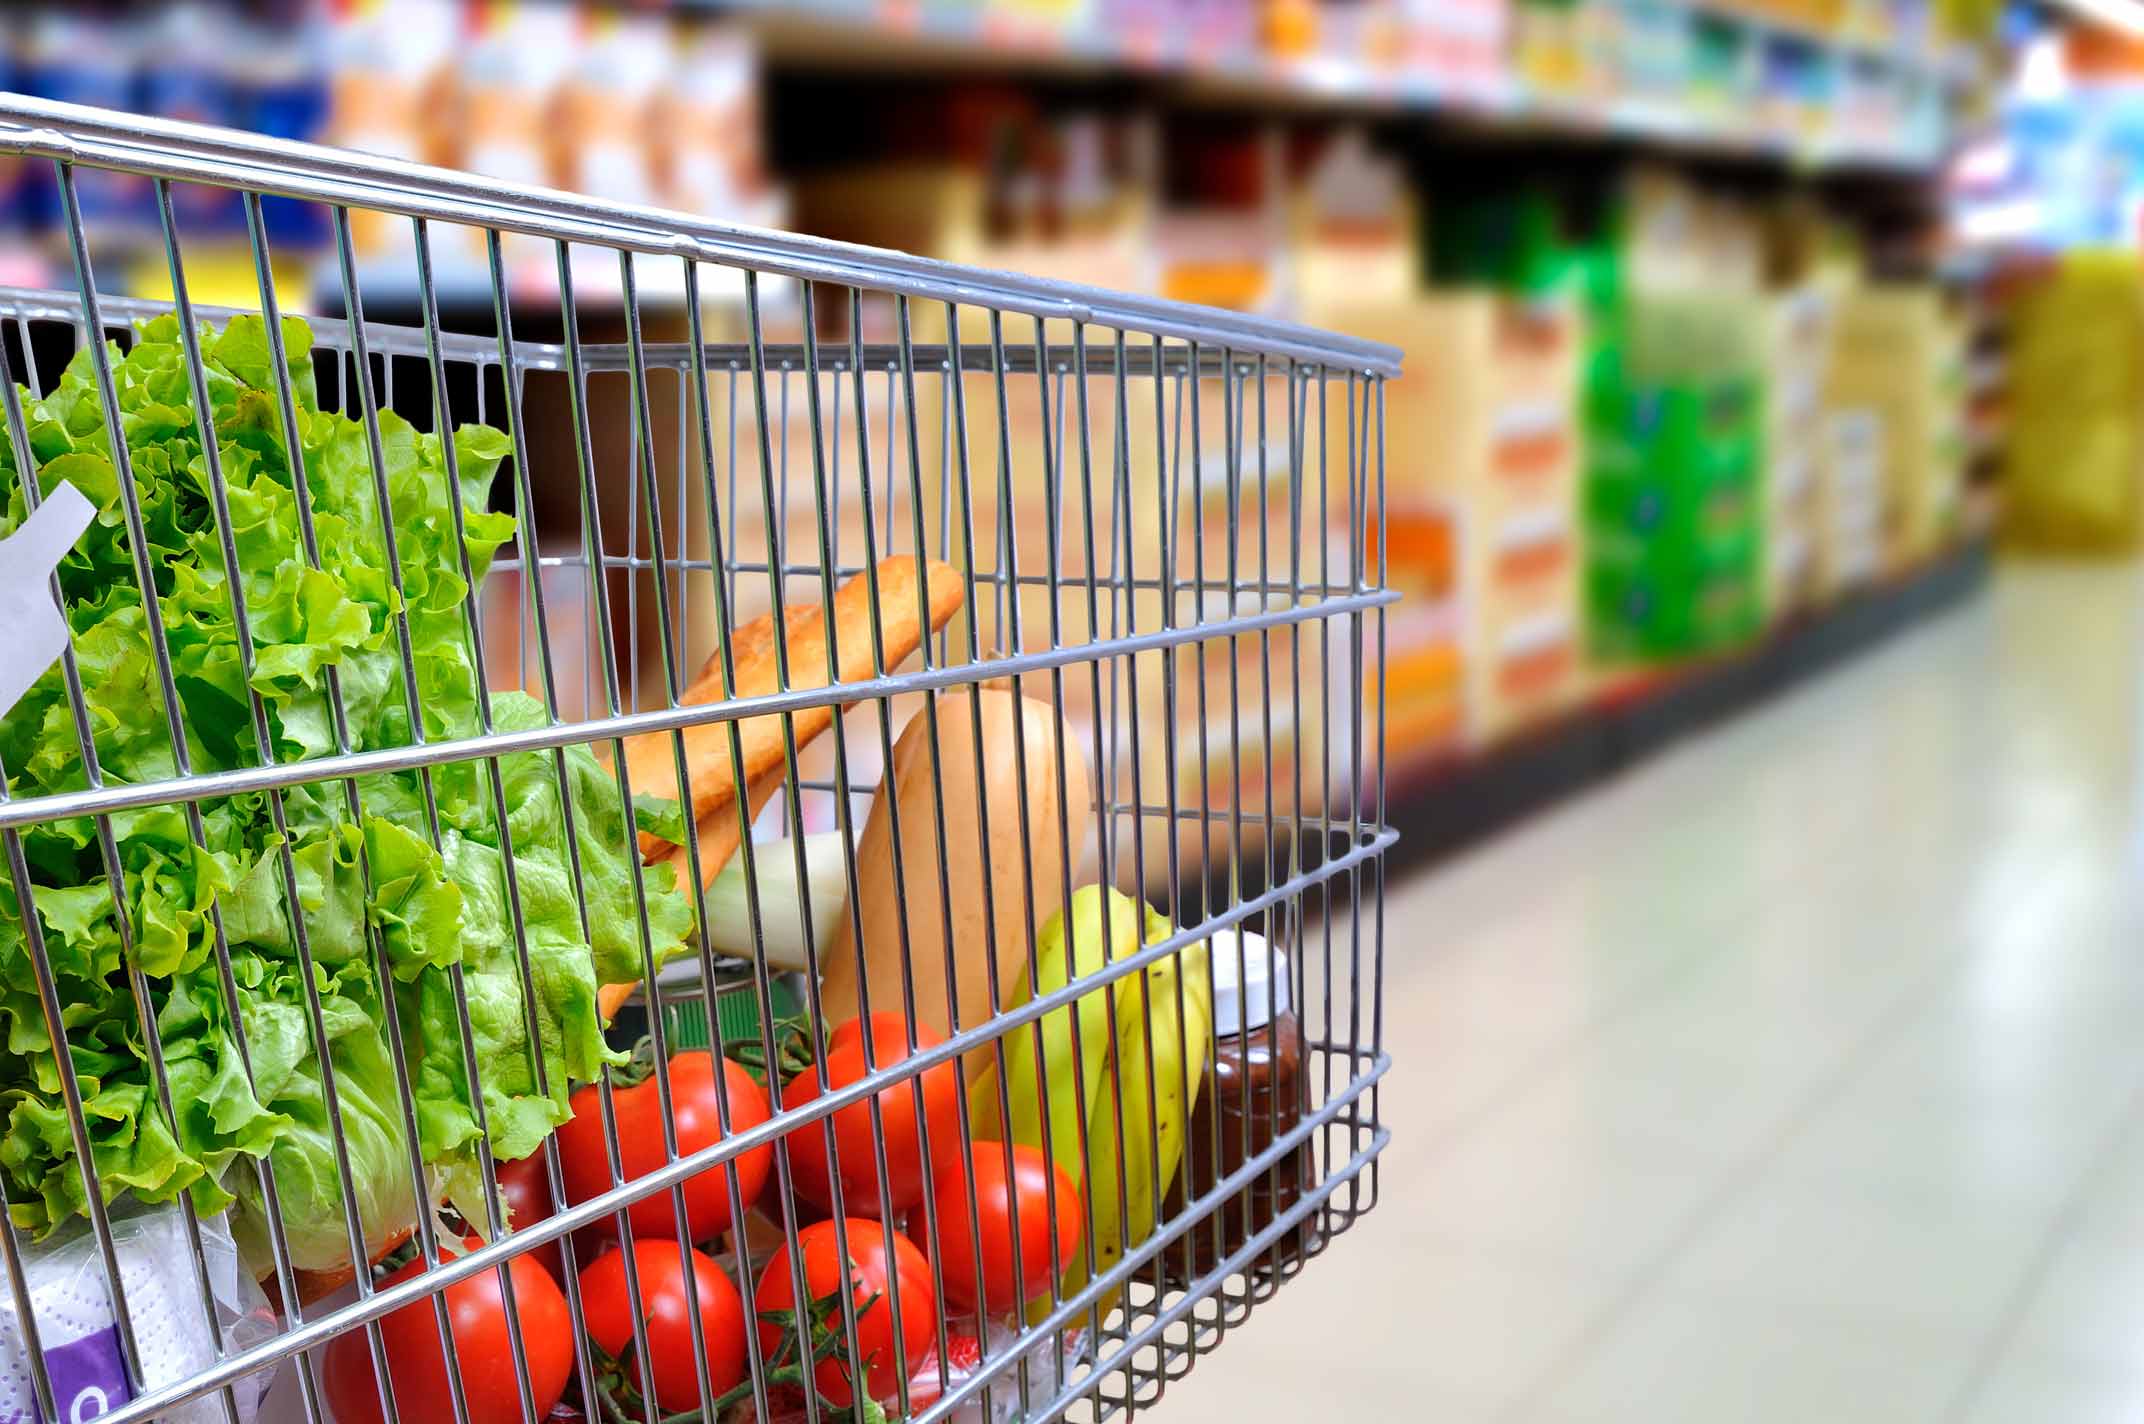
(390, 918)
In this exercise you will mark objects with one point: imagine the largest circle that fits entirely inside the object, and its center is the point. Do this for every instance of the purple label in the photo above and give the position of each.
(89, 1380)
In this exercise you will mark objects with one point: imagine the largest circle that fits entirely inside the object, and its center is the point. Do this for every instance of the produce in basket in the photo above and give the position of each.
(921, 1111)
(1095, 1067)
(983, 836)
(479, 1321)
(665, 1308)
(889, 1345)
(373, 890)
(696, 1102)
(652, 763)
(1024, 1228)
(652, 760)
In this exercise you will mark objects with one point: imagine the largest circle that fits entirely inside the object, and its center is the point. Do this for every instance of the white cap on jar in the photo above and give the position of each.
(1246, 994)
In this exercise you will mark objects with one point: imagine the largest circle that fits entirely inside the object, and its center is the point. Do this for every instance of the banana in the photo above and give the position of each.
(1077, 1099)
(1050, 1089)
(1152, 1081)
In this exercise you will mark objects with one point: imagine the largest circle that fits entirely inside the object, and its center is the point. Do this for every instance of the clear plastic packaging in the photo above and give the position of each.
(78, 1329)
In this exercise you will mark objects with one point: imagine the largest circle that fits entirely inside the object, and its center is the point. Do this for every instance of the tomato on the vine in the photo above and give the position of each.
(483, 1351)
(693, 1091)
(525, 1197)
(999, 1196)
(607, 1306)
(884, 1341)
(907, 1177)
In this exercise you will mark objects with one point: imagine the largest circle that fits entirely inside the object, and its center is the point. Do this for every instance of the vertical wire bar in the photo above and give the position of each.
(510, 367)
(1298, 390)
(1232, 477)
(48, 995)
(1325, 772)
(845, 812)
(966, 529)
(907, 365)
(721, 583)
(758, 351)
(820, 511)
(957, 448)
(1263, 1273)
(1216, 1221)
(108, 852)
(592, 553)
(1054, 581)
(443, 426)
(1377, 959)
(643, 423)
(1358, 492)
(1104, 771)
(681, 596)
(213, 463)
(1165, 474)
(1010, 633)
(1120, 501)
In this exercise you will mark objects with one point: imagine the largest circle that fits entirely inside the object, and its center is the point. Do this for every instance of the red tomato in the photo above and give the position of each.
(483, 1351)
(525, 1197)
(608, 1308)
(640, 1145)
(907, 1180)
(882, 1341)
(996, 1196)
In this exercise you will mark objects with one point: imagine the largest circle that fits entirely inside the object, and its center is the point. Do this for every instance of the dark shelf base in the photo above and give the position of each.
(1451, 806)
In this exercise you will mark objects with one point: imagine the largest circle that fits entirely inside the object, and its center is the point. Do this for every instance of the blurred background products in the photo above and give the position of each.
(1717, 317)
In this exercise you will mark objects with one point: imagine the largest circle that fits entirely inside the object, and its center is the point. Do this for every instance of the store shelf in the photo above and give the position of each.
(914, 35)
(1442, 807)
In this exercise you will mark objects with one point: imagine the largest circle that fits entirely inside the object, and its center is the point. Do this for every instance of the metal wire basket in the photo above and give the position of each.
(330, 912)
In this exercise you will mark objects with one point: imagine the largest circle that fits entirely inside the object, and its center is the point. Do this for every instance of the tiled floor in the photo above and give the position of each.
(1798, 1076)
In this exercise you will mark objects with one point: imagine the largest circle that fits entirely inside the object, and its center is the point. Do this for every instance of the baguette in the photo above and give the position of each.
(650, 757)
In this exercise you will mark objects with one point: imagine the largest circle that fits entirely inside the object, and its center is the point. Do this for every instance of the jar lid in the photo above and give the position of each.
(1246, 994)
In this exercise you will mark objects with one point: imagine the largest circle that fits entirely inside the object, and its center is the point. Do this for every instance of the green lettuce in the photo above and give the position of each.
(390, 916)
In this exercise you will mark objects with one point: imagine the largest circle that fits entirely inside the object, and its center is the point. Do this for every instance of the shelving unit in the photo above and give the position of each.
(1177, 68)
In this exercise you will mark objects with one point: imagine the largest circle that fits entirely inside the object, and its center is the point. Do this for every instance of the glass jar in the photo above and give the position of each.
(1252, 1091)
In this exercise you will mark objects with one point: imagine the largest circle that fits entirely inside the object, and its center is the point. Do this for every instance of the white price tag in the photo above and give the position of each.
(32, 631)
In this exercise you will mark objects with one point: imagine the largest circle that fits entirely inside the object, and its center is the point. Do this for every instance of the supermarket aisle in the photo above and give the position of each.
(1794, 1077)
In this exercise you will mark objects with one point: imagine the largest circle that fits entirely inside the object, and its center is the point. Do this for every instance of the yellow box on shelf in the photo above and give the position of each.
(1483, 421)
(1893, 350)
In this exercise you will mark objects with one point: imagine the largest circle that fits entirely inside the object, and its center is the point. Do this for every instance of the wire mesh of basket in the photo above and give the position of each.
(726, 766)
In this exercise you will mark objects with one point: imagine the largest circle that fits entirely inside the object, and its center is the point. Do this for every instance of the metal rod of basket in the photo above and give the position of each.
(923, 726)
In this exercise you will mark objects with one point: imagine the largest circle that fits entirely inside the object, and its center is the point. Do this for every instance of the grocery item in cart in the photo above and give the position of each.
(78, 1326)
(348, 880)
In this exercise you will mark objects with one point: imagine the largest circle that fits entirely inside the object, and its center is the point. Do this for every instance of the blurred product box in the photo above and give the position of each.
(1896, 353)
(2073, 476)
(1850, 543)
(392, 92)
(1482, 424)
(1352, 227)
(1797, 367)
(1674, 507)
(95, 57)
(1425, 691)
(1456, 48)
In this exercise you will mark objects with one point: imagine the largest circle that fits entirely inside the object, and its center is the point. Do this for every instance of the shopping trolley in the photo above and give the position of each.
(910, 686)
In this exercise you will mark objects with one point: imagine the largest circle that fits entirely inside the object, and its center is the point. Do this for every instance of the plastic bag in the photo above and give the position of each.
(1043, 1377)
(79, 1331)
